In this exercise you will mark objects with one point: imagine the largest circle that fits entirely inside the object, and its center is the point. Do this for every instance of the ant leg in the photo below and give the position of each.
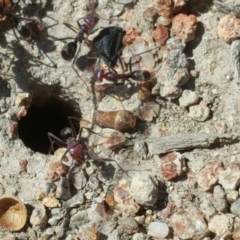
(72, 126)
(16, 3)
(53, 139)
(5, 28)
(71, 27)
(54, 24)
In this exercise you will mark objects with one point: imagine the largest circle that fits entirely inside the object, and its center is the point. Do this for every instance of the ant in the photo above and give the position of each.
(69, 50)
(22, 24)
(76, 145)
(121, 78)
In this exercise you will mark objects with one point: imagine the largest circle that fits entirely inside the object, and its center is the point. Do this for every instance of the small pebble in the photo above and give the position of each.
(140, 219)
(39, 217)
(124, 202)
(184, 26)
(144, 189)
(73, 211)
(229, 179)
(188, 98)
(139, 236)
(232, 196)
(200, 112)
(220, 201)
(55, 211)
(63, 190)
(222, 225)
(50, 202)
(208, 175)
(187, 225)
(148, 219)
(236, 234)
(128, 225)
(172, 165)
(54, 220)
(49, 231)
(235, 208)
(207, 208)
(88, 195)
(158, 230)
(77, 199)
(229, 27)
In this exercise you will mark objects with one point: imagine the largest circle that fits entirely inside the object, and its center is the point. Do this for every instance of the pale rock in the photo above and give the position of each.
(219, 199)
(158, 230)
(188, 98)
(208, 175)
(207, 208)
(128, 225)
(235, 208)
(232, 196)
(139, 236)
(236, 234)
(189, 224)
(200, 112)
(63, 189)
(140, 219)
(79, 219)
(229, 179)
(39, 217)
(144, 189)
(167, 211)
(173, 73)
(53, 221)
(76, 200)
(222, 225)
(124, 202)
(50, 202)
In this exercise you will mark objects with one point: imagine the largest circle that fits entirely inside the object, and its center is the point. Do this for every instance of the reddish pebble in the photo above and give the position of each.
(172, 165)
(160, 34)
(184, 26)
(208, 176)
(23, 165)
(229, 28)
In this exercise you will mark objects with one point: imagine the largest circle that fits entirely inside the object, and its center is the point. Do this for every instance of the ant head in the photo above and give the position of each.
(69, 50)
(24, 30)
(66, 133)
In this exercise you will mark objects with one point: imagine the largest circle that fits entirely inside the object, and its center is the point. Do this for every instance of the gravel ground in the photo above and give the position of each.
(175, 175)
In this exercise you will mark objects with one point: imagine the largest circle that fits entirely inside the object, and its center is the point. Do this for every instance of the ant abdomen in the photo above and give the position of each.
(24, 30)
(140, 75)
(69, 50)
(66, 133)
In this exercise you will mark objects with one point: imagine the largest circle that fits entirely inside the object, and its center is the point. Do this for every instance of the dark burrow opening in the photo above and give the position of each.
(45, 114)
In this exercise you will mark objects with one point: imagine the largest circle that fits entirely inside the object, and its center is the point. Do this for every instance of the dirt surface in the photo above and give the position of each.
(51, 81)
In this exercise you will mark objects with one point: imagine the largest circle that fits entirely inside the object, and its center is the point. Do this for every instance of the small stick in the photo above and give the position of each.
(235, 57)
(187, 141)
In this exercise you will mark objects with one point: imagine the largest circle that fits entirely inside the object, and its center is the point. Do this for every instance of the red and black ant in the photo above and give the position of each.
(69, 50)
(22, 24)
(76, 146)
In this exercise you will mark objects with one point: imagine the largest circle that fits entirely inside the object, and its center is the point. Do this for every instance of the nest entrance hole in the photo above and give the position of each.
(45, 114)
